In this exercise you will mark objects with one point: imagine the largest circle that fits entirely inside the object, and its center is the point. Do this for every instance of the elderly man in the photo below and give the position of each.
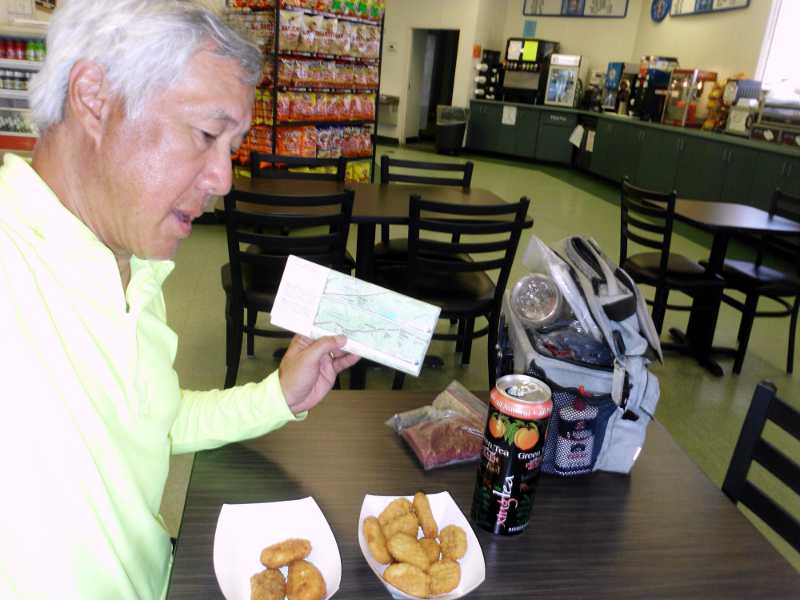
(139, 105)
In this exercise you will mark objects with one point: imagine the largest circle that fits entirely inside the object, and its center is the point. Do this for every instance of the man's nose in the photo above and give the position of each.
(218, 175)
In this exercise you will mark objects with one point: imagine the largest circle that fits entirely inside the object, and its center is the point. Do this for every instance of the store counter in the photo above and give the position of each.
(699, 164)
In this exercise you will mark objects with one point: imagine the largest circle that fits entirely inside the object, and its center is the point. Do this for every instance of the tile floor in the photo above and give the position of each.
(702, 412)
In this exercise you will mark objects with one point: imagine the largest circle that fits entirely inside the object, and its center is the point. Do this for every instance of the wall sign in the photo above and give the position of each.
(610, 9)
(682, 8)
(659, 9)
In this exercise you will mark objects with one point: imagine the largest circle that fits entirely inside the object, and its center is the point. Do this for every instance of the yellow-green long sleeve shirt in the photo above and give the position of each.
(91, 407)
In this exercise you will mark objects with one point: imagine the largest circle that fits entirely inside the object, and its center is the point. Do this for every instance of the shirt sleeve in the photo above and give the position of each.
(211, 419)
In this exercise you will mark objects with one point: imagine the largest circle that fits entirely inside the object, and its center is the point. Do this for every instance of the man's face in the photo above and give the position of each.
(159, 171)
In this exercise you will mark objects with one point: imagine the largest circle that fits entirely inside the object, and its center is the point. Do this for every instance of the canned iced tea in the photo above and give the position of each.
(511, 458)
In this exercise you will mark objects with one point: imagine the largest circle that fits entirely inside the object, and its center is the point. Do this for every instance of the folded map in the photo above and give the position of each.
(380, 325)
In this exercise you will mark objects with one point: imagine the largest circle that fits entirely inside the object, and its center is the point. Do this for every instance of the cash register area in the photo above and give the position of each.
(702, 412)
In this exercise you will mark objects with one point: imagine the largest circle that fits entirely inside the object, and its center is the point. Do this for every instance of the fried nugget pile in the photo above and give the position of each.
(423, 567)
(304, 581)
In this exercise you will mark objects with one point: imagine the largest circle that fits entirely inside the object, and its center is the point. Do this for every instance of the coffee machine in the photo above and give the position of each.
(740, 103)
(650, 87)
(620, 78)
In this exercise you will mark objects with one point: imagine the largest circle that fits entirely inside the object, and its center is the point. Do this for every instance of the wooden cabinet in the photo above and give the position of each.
(527, 132)
(658, 153)
(553, 143)
(774, 171)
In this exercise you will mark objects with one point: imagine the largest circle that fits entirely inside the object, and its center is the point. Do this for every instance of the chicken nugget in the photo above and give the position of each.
(396, 508)
(405, 548)
(431, 548)
(376, 541)
(409, 579)
(445, 576)
(282, 553)
(267, 585)
(422, 509)
(453, 541)
(305, 582)
(406, 523)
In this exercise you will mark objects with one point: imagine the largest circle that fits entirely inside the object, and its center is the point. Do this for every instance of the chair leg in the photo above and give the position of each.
(385, 234)
(252, 315)
(491, 351)
(235, 347)
(466, 340)
(460, 335)
(792, 332)
(399, 379)
(660, 307)
(745, 327)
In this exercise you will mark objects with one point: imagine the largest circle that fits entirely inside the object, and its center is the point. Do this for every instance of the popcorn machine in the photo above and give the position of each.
(686, 104)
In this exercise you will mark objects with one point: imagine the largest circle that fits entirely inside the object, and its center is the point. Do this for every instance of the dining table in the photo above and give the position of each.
(662, 531)
(723, 220)
(374, 204)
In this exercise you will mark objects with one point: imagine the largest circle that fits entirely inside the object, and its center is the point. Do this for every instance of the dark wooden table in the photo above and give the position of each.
(665, 531)
(374, 204)
(722, 220)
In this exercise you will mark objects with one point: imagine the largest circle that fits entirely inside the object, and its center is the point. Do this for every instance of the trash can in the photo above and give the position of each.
(451, 123)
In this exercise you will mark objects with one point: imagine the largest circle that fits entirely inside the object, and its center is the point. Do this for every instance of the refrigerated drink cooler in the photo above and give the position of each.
(562, 82)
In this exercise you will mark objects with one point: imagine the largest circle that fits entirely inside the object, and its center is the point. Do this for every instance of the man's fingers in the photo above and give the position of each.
(345, 362)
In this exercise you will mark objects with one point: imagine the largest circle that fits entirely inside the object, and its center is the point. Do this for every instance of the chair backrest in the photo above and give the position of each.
(489, 234)
(256, 228)
(395, 170)
(272, 166)
(786, 247)
(646, 218)
(766, 406)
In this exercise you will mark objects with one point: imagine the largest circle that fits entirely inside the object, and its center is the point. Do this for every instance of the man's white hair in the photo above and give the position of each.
(143, 46)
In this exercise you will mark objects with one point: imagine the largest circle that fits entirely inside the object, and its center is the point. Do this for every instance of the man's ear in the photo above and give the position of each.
(88, 100)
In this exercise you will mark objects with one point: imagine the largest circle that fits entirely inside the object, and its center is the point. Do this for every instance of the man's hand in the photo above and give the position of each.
(309, 369)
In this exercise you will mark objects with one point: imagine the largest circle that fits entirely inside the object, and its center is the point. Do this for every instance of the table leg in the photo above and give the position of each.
(365, 264)
(699, 337)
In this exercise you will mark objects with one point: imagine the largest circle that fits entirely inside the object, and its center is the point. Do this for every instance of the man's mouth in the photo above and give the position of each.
(184, 220)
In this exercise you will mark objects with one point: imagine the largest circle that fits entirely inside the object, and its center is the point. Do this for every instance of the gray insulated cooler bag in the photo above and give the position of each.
(579, 323)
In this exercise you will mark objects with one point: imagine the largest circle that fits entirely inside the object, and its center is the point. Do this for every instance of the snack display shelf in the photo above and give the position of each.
(17, 141)
(326, 90)
(27, 65)
(330, 15)
(14, 94)
(323, 123)
(290, 37)
(319, 56)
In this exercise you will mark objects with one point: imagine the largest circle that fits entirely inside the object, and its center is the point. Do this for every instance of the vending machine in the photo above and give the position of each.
(562, 81)
(650, 87)
(686, 104)
(620, 78)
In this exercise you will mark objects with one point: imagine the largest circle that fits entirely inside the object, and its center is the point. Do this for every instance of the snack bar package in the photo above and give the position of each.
(450, 431)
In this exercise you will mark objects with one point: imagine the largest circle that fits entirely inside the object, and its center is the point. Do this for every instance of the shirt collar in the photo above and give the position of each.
(50, 220)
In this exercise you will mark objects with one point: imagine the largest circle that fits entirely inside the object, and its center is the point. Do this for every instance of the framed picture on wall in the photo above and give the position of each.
(682, 8)
(613, 9)
(47, 5)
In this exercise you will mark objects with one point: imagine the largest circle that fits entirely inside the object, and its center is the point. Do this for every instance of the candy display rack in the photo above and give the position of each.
(318, 95)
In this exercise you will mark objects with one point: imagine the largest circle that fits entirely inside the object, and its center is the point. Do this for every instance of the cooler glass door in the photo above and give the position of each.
(561, 86)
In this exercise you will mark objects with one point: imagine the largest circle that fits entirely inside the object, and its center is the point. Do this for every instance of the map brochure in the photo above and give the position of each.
(380, 325)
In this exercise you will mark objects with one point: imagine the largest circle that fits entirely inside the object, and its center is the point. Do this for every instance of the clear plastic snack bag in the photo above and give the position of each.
(449, 431)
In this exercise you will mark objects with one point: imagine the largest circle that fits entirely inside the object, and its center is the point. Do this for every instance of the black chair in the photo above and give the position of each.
(756, 280)
(394, 170)
(258, 255)
(272, 166)
(647, 219)
(750, 447)
(436, 271)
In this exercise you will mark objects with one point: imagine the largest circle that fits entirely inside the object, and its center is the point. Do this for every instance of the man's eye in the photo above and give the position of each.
(209, 137)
